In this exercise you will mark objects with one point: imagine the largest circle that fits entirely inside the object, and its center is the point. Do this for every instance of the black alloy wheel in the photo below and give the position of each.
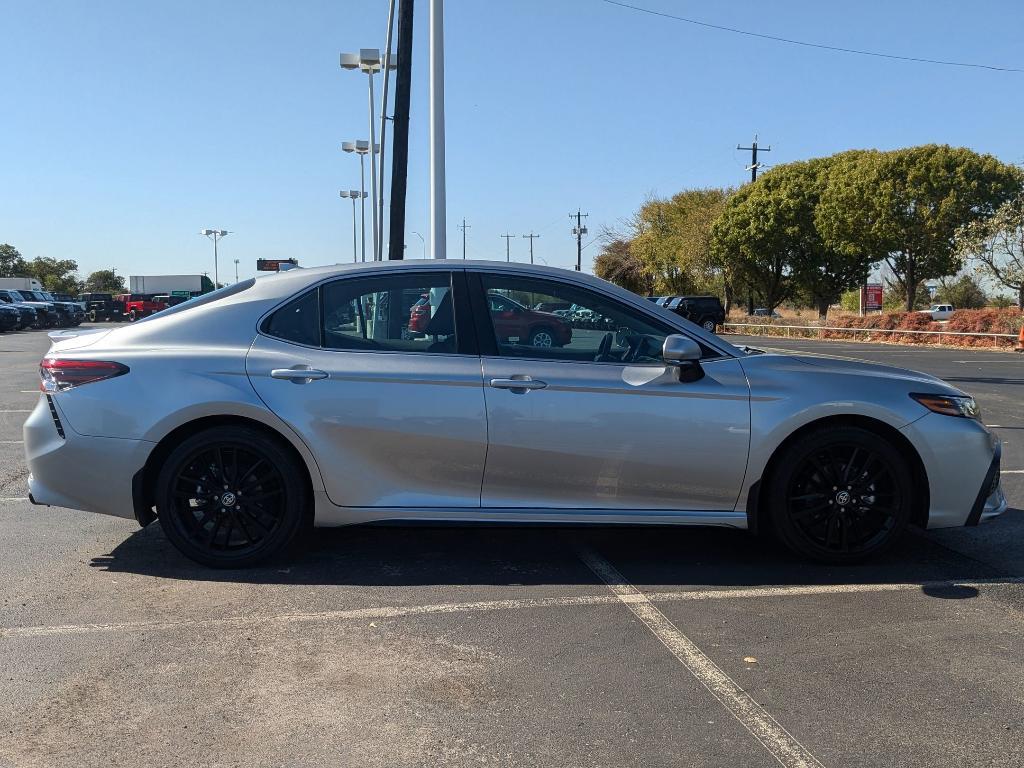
(231, 497)
(840, 495)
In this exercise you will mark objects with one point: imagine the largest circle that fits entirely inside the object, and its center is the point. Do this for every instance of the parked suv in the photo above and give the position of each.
(102, 306)
(515, 324)
(139, 305)
(705, 311)
(29, 317)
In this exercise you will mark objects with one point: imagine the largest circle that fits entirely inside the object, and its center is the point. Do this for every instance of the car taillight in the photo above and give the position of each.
(57, 375)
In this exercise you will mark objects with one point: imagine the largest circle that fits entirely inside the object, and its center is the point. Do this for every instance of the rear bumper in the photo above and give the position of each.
(79, 472)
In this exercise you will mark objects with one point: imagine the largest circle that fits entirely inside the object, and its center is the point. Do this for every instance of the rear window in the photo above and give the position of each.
(206, 298)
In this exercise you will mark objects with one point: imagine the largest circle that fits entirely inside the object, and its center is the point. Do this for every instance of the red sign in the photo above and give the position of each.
(871, 297)
(273, 265)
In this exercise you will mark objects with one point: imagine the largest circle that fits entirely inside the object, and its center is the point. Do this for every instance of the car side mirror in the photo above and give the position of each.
(683, 354)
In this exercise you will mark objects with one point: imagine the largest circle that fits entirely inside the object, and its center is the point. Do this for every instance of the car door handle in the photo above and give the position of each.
(298, 375)
(518, 384)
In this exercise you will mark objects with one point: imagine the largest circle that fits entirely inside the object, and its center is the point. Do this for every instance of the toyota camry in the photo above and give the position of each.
(304, 399)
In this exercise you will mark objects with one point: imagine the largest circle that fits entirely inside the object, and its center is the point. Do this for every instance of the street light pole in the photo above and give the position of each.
(369, 60)
(438, 212)
(354, 194)
(236, 270)
(423, 245)
(215, 235)
(361, 148)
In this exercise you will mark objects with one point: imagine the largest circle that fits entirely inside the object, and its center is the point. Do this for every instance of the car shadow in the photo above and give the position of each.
(649, 557)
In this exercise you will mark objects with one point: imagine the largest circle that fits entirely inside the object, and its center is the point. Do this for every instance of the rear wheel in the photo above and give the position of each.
(133, 315)
(231, 497)
(708, 325)
(92, 315)
(840, 495)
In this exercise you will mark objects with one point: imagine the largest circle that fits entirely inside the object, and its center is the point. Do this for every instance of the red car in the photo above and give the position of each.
(139, 305)
(516, 324)
(419, 315)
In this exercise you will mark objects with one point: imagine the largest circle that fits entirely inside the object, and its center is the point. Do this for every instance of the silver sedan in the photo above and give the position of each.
(408, 391)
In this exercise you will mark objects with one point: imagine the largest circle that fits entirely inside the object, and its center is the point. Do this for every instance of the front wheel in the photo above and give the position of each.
(231, 497)
(840, 495)
(542, 337)
(708, 325)
(133, 316)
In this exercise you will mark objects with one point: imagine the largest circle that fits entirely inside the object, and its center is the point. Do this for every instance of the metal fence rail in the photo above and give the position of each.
(789, 328)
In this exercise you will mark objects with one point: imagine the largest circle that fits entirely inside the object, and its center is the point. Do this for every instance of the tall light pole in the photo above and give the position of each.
(236, 270)
(438, 213)
(423, 245)
(354, 194)
(361, 148)
(369, 60)
(215, 235)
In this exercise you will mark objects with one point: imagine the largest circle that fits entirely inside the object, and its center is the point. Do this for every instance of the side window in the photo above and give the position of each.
(397, 313)
(297, 321)
(587, 327)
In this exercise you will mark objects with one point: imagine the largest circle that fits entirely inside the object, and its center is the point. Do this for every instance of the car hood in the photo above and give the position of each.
(848, 366)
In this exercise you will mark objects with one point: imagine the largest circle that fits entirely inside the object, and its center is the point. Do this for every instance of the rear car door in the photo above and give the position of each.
(394, 416)
(599, 422)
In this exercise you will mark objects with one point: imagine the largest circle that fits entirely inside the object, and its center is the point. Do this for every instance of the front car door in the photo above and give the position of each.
(598, 422)
(394, 415)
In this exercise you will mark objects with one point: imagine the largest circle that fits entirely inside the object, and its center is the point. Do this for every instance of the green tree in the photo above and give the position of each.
(906, 206)
(963, 292)
(55, 274)
(617, 264)
(104, 281)
(672, 239)
(11, 262)
(996, 245)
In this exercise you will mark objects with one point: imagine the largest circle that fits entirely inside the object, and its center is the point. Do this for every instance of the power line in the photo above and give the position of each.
(806, 44)
(754, 165)
(508, 251)
(531, 237)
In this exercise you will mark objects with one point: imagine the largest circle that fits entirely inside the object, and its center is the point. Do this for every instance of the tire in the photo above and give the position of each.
(255, 518)
(133, 316)
(840, 495)
(542, 337)
(709, 325)
(92, 315)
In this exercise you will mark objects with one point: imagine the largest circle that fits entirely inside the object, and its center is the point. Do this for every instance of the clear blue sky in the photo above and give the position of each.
(129, 126)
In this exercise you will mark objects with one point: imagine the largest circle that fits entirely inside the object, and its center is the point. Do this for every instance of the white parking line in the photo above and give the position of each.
(779, 742)
(394, 612)
(1011, 471)
(28, 391)
(11, 442)
(14, 498)
(15, 410)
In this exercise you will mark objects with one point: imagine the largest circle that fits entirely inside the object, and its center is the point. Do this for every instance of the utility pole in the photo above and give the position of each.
(508, 248)
(579, 230)
(754, 165)
(400, 142)
(464, 226)
(531, 238)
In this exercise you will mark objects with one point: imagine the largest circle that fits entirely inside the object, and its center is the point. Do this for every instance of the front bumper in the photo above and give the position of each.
(990, 501)
(76, 471)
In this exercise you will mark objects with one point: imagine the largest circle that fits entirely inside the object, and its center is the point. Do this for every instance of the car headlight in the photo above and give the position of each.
(950, 405)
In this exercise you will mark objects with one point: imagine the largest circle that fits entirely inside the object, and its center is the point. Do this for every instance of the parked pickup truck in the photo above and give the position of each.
(939, 311)
(139, 305)
(102, 306)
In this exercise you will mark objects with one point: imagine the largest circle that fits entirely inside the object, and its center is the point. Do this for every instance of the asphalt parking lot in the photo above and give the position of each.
(515, 646)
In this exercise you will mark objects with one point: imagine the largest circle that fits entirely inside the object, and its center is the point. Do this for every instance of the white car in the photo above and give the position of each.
(939, 311)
